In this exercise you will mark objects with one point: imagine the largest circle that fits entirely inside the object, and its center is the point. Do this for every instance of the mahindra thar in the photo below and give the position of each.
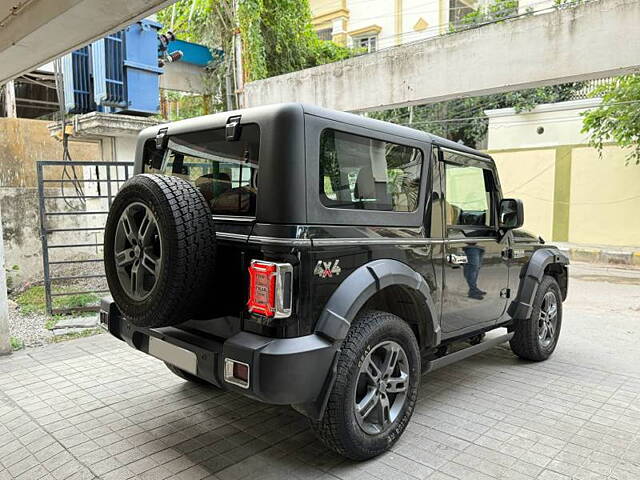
(323, 260)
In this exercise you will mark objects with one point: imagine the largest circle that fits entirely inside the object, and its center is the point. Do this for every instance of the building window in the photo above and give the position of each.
(458, 9)
(325, 34)
(369, 43)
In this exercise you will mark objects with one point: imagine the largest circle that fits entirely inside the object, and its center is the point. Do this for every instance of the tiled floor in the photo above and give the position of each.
(95, 408)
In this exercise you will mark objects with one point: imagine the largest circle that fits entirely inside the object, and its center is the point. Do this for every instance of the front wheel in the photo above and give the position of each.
(377, 379)
(536, 338)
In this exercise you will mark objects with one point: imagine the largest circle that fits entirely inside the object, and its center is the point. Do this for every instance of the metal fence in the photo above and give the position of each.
(74, 199)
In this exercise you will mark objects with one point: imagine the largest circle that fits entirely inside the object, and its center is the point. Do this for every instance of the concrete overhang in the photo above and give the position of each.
(98, 124)
(592, 40)
(34, 32)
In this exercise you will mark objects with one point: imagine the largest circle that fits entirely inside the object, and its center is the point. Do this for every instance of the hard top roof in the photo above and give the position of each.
(218, 120)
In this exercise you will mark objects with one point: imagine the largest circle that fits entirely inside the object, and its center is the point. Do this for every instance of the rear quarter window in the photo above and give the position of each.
(363, 173)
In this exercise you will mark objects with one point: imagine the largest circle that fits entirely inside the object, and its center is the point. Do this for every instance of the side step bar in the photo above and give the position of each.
(432, 365)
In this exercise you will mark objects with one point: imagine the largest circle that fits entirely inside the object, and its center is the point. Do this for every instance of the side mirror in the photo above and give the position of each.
(511, 214)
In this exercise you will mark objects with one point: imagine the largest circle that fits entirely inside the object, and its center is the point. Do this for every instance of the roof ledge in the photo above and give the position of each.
(547, 107)
(98, 124)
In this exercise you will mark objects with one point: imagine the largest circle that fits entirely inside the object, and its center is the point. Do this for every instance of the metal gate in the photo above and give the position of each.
(74, 199)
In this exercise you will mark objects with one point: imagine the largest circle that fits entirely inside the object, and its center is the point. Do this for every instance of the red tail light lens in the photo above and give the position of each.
(270, 288)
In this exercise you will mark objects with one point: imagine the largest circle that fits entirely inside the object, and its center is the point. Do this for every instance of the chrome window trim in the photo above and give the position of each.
(233, 218)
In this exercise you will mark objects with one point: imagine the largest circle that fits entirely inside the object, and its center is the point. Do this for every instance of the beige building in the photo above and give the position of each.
(570, 193)
(378, 24)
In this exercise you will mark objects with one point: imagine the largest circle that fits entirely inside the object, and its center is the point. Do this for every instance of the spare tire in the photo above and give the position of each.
(159, 250)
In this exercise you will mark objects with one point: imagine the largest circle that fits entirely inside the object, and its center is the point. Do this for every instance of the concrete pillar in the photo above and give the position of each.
(10, 99)
(562, 194)
(5, 345)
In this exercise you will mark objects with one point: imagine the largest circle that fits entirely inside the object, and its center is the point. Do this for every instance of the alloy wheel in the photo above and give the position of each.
(548, 319)
(138, 251)
(381, 388)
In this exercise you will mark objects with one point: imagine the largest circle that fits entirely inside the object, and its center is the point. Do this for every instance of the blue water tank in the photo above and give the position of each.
(124, 73)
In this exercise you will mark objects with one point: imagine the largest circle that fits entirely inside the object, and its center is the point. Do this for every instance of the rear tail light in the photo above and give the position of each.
(270, 288)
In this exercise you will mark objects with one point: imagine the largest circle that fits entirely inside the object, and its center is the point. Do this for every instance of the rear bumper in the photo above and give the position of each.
(282, 371)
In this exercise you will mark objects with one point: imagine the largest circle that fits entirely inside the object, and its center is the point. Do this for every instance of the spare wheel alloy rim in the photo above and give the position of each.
(138, 251)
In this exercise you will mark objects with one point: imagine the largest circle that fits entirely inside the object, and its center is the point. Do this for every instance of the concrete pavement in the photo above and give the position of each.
(95, 408)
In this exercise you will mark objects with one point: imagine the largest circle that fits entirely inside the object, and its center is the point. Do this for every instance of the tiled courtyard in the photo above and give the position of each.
(95, 408)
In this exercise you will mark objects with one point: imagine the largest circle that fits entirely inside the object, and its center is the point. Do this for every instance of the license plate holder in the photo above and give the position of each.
(177, 356)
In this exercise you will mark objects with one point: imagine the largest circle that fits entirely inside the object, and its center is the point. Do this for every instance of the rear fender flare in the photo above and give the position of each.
(348, 300)
(361, 285)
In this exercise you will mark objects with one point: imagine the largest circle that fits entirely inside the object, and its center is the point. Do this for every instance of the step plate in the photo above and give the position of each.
(179, 357)
(466, 352)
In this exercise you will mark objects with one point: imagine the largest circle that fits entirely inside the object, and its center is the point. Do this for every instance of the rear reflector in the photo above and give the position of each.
(236, 373)
(270, 288)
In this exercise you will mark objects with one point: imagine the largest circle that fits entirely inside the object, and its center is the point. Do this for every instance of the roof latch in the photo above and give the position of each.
(232, 130)
(162, 139)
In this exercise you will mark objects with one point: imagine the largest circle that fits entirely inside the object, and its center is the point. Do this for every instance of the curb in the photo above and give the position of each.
(603, 256)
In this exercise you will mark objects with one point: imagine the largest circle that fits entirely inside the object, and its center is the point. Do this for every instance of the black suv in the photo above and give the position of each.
(323, 260)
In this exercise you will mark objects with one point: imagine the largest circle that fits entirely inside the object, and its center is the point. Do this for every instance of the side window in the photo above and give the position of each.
(364, 173)
(469, 195)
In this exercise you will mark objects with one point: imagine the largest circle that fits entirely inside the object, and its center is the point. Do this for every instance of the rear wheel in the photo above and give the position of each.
(537, 337)
(377, 379)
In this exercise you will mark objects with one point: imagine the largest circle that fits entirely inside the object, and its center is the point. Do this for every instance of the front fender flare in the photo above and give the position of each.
(530, 278)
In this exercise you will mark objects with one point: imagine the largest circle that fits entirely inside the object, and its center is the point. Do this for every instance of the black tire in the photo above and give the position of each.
(187, 376)
(340, 429)
(185, 240)
(527, 342)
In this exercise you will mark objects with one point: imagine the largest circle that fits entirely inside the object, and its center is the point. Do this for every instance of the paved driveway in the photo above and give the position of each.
(94, 408)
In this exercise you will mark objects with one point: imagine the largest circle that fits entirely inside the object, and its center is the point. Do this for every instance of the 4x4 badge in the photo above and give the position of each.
(327, 269)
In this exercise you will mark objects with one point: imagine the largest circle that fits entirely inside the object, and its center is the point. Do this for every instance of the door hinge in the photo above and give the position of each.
(162, 139)
(232, 129)
(505, 293)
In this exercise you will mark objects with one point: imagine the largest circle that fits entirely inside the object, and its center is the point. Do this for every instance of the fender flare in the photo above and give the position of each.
(361, 285)
(530, 278)
(346, 302)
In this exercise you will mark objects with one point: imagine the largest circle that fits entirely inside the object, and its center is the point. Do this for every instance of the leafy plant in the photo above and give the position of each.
(210, 23)
(32, 300)
(88, 332)
(495, 11)
(16, 343)
(278, 38)
(617, 118)
(566, 3)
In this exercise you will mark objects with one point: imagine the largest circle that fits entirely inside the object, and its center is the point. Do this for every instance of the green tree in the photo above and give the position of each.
(463, 120)
(278, 38)
(618, 116)
(211, 23)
